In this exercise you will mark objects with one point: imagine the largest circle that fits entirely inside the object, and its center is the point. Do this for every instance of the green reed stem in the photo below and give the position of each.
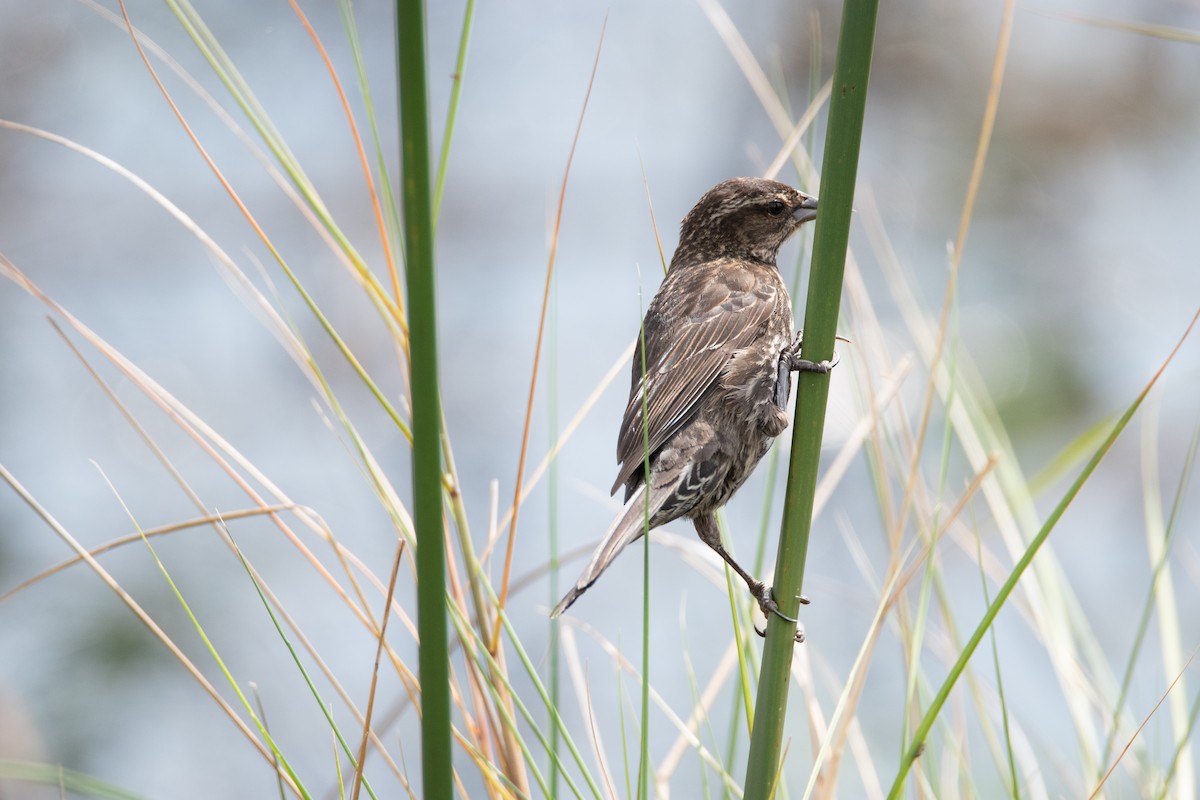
(843, 136)
(433, 660)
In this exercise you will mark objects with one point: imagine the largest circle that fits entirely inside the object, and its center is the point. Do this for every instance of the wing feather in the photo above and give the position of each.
(699, 319)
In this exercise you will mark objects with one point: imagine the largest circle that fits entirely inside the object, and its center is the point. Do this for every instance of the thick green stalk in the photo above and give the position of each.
(842, 139)
(433, 661)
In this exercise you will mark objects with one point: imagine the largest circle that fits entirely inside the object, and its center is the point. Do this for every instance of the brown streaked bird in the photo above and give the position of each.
(720, 347)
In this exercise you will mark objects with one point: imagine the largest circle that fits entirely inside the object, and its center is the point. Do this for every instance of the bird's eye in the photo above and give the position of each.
(775, 208)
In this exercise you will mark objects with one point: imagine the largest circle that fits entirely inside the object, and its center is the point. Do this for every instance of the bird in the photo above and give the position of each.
(711, 373)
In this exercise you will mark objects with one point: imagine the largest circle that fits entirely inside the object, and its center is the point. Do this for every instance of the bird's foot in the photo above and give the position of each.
(804, 365)
(766, 603)
(789, 362)
(791, 356)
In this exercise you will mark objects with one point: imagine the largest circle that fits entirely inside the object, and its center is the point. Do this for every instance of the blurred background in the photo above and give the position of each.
(1080, 271)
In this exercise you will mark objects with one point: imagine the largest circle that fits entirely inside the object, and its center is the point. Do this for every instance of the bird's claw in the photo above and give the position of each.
(804, 365)
(798, 638)
(766, 603)
(798, 364)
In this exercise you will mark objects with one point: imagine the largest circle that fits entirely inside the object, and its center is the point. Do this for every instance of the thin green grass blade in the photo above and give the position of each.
(624, 735)
(341, 781)
(391, 210)
(734, 718)
(745, 678)
(325, 709)
(768, 503)
(644, 739)
(1014, 785)
(220, 662)
(460, 67)
(437, 770)
(262, 712)
(843, 137)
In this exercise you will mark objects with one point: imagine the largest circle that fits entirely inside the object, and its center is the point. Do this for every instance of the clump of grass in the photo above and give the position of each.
(956, 729)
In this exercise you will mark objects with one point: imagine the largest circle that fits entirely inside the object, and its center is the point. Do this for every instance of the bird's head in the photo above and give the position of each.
(743, 218)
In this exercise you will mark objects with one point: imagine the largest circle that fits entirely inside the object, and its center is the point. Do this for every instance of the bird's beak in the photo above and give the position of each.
(806, 210)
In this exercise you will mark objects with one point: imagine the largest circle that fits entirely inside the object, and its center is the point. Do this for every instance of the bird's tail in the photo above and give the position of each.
(628, 527)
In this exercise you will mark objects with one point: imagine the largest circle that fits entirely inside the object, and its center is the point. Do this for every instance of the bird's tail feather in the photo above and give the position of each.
(628, 527)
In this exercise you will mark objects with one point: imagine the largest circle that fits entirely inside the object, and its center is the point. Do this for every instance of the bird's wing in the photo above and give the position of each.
(691, 331)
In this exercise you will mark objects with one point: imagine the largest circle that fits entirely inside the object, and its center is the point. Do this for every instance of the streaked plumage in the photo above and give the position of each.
(719, 349)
